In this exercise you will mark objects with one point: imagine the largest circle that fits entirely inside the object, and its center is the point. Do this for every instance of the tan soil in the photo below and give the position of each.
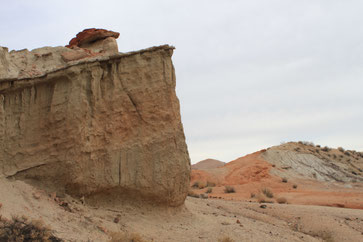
(208, 164)
(198, 220)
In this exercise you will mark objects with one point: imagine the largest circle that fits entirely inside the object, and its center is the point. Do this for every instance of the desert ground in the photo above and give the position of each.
(210, 219)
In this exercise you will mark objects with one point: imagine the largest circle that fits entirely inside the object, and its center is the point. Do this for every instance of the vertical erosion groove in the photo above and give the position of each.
(119, 169)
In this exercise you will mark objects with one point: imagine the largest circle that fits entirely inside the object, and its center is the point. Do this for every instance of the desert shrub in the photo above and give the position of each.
(281, 200)
(195, 184)
(267, 192)
(308, 143)
(294, 186)
(21, 229)
(334, 156)
(199, 184)
(284, 180)
(297, 149)
(326, 149)
(209, 190)
(193, 194)
(261, 198)
(318, 146)
(252, 195)
(341, 149)
(317, 150)
(225, 239)
(211, 184)
(347, 153)
(126, 237)
(229, 189)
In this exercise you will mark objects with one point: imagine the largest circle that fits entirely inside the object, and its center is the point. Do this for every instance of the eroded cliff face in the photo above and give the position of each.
(105, 122)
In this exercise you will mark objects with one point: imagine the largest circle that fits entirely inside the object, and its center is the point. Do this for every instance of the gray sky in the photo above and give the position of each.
(250, 74)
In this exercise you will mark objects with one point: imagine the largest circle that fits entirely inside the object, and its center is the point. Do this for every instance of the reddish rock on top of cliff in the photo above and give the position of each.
(91, 35)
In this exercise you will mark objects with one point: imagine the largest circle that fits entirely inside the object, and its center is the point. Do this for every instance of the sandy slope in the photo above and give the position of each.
(198, 220)
(208, 164)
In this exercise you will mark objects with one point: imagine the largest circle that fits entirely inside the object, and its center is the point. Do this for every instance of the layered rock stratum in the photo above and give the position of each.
(86, 119)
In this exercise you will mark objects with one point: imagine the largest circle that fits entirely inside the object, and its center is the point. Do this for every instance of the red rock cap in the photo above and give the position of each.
(91, 35)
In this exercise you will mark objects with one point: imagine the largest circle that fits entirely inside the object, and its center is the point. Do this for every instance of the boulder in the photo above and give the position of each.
(97, 125)
(91, 35)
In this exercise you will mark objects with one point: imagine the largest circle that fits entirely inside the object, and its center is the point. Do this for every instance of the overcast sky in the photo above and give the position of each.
(250, 74)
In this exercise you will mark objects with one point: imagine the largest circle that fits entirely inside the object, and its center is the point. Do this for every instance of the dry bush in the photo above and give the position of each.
(308, 143)
(252, 195)
(341, 149)
(21, 229)
(126, 237)
(284, 180)
(326, 149)
(209, 190)
(192, 194)
(211, 184)
(294, 186)
(199, 184)
(261, 198)
(318, 146)
(229, 189)
(281, 200)
(347, 153)
(225, 239)
(267, 192)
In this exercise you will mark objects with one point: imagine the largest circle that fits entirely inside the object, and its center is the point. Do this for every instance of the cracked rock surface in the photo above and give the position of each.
(100, 122)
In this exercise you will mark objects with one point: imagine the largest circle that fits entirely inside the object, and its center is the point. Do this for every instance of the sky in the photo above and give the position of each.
(250, 74)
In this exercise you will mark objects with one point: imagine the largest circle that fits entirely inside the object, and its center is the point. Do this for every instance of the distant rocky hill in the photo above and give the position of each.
(304, 159)
(301, 171)
(208, 164)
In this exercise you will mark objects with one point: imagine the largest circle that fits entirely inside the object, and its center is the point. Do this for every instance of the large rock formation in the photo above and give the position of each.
(85, 120)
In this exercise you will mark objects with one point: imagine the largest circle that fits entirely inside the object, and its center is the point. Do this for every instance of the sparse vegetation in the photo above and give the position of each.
(252, 195)
(229, 189)
(199, 184)
(209, 190)
(261, 198)
(341, 149)
(267, 192)
(21, 229)
(308, 143)
(326, 149)
(294, 186)
(210, 184)
(284, 180)
(281, 200)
